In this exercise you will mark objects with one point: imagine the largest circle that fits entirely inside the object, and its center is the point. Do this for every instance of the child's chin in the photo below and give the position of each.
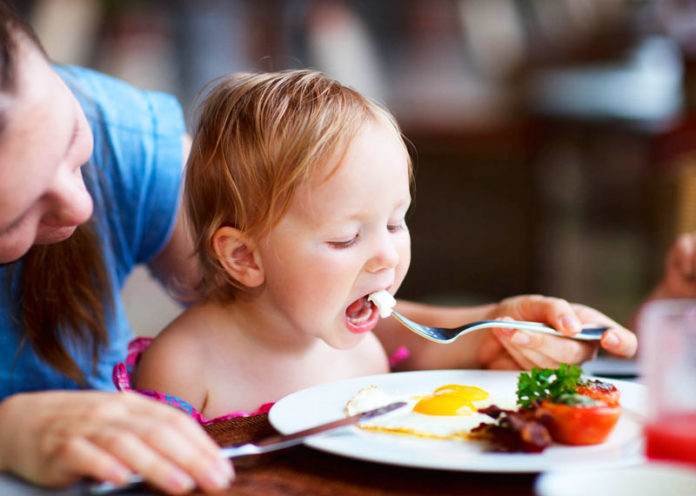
(345, 341)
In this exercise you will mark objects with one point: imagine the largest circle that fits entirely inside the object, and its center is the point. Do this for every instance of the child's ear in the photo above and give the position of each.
(238, 255)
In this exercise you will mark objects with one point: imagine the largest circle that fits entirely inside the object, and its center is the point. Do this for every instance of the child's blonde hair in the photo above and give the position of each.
(259, 136)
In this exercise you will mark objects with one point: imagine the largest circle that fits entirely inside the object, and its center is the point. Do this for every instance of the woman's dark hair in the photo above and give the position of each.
(10, 25)
(65, 290)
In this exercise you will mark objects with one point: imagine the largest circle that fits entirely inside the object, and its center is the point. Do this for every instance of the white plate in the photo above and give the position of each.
(642, 480)
(325, 402)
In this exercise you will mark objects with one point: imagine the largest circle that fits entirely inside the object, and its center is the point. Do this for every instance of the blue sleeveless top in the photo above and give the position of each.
(134, 176)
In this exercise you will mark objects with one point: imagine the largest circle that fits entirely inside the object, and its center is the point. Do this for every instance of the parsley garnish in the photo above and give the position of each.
(543, 384)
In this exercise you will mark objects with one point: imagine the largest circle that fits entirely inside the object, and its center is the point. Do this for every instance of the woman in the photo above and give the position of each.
(89, 184)
(62, 324)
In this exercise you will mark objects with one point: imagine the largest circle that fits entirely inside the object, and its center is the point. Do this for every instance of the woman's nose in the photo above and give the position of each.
(71, 203)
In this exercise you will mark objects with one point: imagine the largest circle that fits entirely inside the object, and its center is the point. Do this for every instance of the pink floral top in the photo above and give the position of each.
(122, 380)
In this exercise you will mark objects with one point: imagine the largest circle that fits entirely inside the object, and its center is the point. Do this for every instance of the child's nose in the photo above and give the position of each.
(385, 256)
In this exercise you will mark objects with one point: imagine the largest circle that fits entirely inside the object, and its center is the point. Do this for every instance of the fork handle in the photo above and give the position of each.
(588, 333)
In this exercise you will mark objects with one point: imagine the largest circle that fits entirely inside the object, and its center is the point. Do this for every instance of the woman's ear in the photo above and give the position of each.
(238, 255)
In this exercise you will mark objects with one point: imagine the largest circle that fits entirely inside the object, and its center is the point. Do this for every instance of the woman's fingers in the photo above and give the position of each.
(107, 436)
(166, 448)
(546, 351)
(181, 422)
(206, 470)
(523, 361)
(529, 349)
(568, 319)
(504, 362)
(679, 278)
(617, 340)
(491, 351)
(79, 456)
(683, 255)
(555, 311)
(179, 427)
(142, 459)
(620, 342)
(492, 354)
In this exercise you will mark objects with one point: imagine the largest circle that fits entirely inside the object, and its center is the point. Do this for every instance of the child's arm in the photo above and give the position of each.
(503, 348)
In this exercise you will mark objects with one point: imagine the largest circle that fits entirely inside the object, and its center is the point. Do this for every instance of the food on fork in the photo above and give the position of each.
(383, 301)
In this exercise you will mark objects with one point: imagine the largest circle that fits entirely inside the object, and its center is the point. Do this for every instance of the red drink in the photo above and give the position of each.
(672, 438)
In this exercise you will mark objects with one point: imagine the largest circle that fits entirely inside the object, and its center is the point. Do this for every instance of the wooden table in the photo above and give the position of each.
(305, 471)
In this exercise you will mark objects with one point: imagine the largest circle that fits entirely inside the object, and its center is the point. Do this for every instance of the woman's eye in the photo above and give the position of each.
(343, 244)
(12, 227)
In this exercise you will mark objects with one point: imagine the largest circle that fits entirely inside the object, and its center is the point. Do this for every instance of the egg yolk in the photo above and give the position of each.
(452, 399)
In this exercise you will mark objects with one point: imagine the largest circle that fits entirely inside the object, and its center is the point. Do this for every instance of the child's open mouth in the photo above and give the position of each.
(361, 315)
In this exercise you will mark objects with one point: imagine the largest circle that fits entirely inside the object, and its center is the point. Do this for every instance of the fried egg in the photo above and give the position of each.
(448, 412)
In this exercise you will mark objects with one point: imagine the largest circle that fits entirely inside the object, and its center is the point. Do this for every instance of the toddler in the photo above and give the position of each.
(297, 188)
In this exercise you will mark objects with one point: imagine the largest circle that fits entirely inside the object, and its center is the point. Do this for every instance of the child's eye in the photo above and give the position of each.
(344, 244)
(396, 227)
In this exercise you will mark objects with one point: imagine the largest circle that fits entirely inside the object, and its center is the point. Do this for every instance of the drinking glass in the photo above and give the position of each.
(667, 352)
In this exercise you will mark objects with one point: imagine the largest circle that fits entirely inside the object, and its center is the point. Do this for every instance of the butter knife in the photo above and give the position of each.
(266, 445)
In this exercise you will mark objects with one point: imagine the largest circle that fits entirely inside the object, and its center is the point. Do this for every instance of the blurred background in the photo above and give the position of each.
(553, 140)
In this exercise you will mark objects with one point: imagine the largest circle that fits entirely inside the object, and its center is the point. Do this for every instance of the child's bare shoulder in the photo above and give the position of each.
(184, 336)
(172, 363)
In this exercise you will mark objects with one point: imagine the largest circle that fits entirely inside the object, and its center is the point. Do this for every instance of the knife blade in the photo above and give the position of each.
(282, 441)
(266, 445)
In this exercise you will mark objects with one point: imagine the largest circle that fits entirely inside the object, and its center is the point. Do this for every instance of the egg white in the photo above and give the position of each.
(406, 421)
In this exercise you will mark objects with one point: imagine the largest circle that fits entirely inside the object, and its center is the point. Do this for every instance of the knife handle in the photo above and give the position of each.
(267, 445)
(243, 450)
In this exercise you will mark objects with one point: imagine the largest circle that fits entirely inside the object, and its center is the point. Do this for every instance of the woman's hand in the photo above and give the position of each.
(56, 438)
(679, 278)
(515, 349)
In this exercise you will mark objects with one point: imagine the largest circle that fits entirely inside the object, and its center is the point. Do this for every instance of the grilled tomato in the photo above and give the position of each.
(599, 390)
(579, 419)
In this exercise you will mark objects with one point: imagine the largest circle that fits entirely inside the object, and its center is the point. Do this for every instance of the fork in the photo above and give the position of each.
(442, 335)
